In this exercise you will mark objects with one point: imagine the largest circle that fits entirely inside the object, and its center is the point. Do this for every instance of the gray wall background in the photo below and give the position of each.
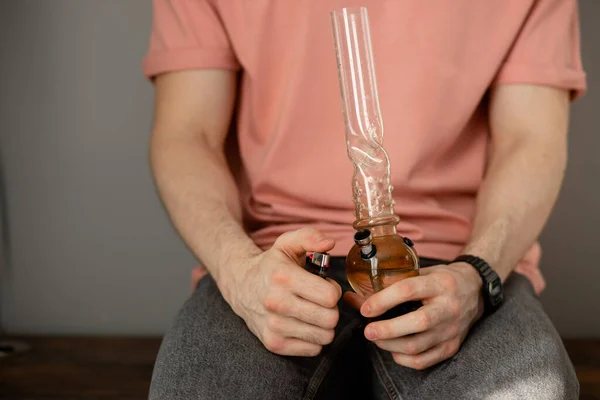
(88, 247)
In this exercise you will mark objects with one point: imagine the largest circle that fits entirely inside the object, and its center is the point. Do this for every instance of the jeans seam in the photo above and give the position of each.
(382, 374)
(325, 365)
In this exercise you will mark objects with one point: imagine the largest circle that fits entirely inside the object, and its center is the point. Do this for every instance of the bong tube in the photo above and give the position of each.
(371, 188)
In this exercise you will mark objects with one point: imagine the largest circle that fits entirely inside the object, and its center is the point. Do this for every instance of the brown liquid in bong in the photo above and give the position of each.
(393, 263)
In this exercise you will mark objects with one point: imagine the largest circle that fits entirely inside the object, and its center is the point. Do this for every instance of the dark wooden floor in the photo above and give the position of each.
(80, 368)
(585, 354)
(120, 368)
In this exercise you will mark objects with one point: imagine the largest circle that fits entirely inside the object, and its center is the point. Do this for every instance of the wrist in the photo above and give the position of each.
(491, 288)
(469, 274)
(473, 280)
(233, 265)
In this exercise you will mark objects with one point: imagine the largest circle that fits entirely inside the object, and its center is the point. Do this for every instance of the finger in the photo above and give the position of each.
(290, 346)
(415, 288)
(354, 300)
(310, 313)
(293, 328)
(421, 320)
(337, 287)
(424, 360)
(315, 289)
(413, 344)
(296, 243)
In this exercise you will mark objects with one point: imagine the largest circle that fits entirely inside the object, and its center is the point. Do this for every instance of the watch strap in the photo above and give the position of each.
(492, 289)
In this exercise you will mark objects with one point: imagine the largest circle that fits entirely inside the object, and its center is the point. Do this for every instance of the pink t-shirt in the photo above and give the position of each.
(435, 61)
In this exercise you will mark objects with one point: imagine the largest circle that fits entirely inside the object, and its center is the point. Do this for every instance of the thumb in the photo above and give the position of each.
(296, 243)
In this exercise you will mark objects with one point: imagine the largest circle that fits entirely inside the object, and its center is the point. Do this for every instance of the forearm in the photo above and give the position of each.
(515, 200)
(202, 200)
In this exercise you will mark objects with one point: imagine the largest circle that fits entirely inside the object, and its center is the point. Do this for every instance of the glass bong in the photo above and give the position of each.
(380, 256)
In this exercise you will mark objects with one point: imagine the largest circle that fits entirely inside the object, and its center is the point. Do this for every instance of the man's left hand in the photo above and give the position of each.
(452, 302)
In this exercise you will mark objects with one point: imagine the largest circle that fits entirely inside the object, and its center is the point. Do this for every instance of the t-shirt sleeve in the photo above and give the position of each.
(187, 34)
(547, 49)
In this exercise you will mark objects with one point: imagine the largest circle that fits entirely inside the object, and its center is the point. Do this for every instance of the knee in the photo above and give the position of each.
(544, 385)
(557, 375)
(184, 365)
(210, 353)
(545, 372)
(222, 371)
(176, 369)
(558, 379)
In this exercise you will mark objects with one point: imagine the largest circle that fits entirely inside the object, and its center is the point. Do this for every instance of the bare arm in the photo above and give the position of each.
(527, 163)
(193, 110)
(291, 311)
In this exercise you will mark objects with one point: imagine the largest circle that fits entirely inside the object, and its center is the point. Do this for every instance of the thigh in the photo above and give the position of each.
(515, 353)
(209, 353)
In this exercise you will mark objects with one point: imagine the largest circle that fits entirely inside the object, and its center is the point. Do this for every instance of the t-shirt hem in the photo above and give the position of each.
(158, 62)
(562, 78)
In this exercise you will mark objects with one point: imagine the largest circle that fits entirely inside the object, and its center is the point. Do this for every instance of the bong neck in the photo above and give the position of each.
(383, 230)
(379, 226)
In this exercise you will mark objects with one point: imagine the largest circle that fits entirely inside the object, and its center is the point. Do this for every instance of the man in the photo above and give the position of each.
(474, 99)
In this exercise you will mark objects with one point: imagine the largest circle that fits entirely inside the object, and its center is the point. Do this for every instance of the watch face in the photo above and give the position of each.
(493, 290)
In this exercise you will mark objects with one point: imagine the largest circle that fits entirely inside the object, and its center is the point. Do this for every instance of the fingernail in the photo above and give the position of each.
(366, 310)
(370, 333)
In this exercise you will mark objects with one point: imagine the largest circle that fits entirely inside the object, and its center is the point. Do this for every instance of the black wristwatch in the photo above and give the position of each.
(492, 290)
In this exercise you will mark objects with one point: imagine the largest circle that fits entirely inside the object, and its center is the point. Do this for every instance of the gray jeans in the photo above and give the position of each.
(209, 353)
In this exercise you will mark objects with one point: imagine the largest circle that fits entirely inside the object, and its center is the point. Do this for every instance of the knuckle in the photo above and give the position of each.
(454, 308)
(411, 348)
(279, 239)
(424, 322)
(452, 330)
(274, 324)
(308, 231)
(307, 314)
(449, 282)
(328, 336)
(313, 351)
(273, 303)
(419, 363)
(314, 337)
(280, 278)
(397, 358)
(331, 320)
(331, 298)
(406, 289)
(283, 238)
(451, 348)
(274, 343)
(319, 337)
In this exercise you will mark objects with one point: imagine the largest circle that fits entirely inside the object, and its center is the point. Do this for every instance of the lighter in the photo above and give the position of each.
(318, 264)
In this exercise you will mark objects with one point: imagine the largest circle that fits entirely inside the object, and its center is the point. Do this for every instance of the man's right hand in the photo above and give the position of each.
(290, 310)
